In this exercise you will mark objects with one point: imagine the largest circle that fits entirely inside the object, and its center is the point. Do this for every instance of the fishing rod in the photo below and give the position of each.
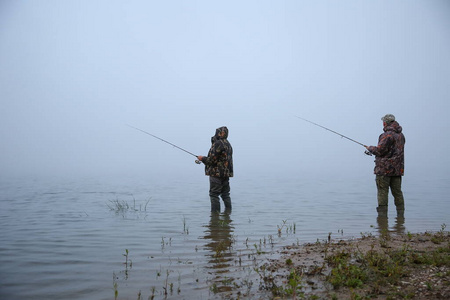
(341, 135)
(156, 137)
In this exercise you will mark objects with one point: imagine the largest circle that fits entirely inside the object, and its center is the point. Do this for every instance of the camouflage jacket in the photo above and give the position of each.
(219, 162)
(389, 154)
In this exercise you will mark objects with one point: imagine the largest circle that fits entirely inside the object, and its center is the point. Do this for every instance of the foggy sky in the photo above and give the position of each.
(74, 73)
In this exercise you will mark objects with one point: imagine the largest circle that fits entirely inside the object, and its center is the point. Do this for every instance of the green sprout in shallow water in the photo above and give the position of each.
(128, 262)
(116, 291)
(280, 227)
(185, 227)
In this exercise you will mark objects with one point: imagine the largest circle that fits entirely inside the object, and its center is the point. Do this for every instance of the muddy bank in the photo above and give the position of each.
(389, 266)
(412, 266)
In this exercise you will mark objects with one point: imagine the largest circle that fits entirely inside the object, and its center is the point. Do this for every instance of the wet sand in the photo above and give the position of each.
(421, 261)
(419, 280)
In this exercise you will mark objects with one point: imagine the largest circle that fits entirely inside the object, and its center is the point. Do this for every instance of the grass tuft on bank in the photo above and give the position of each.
(409, 266)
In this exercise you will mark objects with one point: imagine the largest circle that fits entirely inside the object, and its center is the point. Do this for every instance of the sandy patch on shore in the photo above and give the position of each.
(423, 274)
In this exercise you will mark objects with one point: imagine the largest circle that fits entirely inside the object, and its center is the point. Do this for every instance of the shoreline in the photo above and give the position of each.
(387, 266)
(390, 265)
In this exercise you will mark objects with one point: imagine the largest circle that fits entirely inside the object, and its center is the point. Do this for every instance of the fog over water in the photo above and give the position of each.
(73, 73)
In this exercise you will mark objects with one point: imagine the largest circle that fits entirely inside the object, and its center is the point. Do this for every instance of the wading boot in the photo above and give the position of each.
(215, 204)
(382, 211)
(227, 202)
(400, 211)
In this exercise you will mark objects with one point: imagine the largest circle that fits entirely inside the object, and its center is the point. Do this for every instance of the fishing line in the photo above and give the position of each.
(167, 142)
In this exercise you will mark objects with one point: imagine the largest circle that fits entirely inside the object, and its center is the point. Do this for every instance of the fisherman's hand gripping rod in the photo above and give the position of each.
(341, 135)
(196, 161)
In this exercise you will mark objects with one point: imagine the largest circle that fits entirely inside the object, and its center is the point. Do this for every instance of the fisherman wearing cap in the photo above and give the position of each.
(389, 165)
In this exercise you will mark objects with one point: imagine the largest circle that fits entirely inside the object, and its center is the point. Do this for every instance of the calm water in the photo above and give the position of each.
(60, 239)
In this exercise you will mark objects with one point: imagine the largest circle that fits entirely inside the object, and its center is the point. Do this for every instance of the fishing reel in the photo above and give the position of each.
(367, 152)
(197, 162)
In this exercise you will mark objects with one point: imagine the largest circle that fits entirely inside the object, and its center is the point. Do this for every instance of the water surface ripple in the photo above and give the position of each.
(60, 239)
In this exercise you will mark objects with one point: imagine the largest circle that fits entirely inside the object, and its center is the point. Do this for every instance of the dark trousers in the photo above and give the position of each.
(383, 185)
(219, 187)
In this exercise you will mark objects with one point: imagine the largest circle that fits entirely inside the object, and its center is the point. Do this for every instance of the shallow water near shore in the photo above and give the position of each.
(68, 239)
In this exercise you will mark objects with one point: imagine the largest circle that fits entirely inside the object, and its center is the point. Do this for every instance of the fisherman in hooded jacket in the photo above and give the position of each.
(219, 168)
(389, 165)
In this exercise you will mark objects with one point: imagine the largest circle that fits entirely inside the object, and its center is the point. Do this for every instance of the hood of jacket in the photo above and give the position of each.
(393, 126)
(219, 162)
(219, 130)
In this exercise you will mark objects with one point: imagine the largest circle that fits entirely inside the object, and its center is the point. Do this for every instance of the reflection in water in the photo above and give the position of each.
(400, 225)
(383, 225)
(220, 258)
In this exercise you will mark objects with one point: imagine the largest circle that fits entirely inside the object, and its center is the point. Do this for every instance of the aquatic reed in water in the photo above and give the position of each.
(122, 207)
